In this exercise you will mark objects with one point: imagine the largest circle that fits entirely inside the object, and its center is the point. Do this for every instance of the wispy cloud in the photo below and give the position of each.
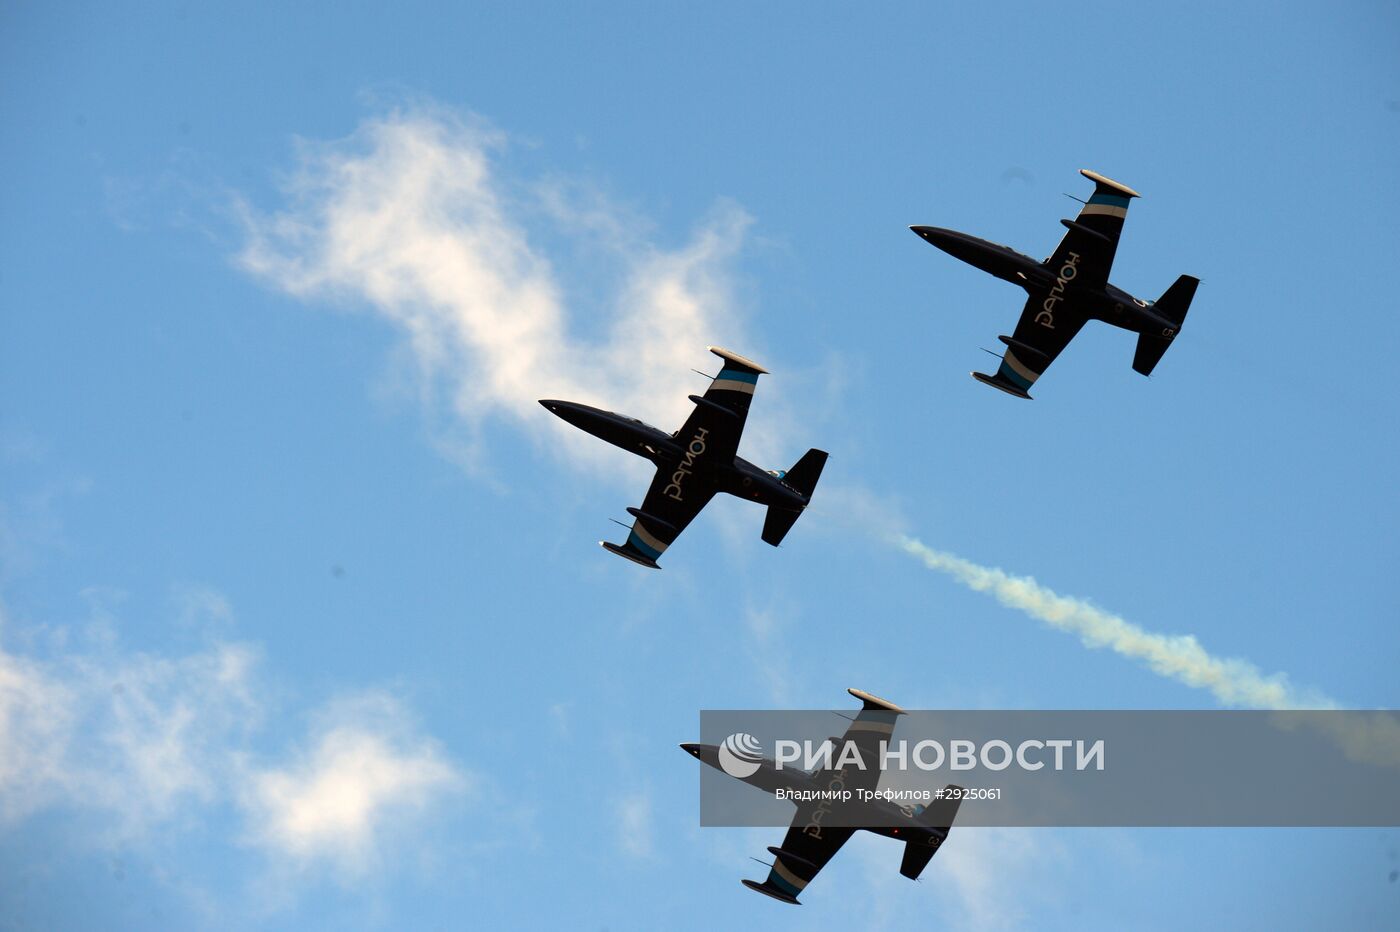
(982, 878)
(991, 874)
(134, 736)
(413, 218)
(767, 649)
(36, 723)
(201, 607)
(634, 824)
(164, 725)
(364, 769)
(137, 742)
(1233, 682)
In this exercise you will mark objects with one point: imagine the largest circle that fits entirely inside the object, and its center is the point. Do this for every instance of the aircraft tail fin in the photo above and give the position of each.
(1175, 302)
(801, 478)
(919, 851)
(1172, 308)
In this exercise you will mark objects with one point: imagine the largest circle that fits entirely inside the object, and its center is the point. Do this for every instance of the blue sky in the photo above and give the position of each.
(303, 622)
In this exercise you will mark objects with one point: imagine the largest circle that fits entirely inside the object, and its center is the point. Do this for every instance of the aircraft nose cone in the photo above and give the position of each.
(950, 241)
(692, 749)
(581, 416)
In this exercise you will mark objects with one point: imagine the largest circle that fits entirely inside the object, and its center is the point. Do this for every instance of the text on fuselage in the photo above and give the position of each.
(693, 450)
(1046, 317)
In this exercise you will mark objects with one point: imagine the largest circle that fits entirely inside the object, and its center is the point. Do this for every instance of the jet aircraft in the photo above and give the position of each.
(698, 461)
(1070, 288)
(810, 842)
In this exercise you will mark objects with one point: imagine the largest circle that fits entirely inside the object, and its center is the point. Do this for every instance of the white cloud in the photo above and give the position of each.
(29, 523)
(134, 743)
(36, 721)
(411, 218)
(767, 648)
(201, 608)
(634, 824)
(361, 772)
(157, 729)
(987, 872)
(131, 735)
(982, 878)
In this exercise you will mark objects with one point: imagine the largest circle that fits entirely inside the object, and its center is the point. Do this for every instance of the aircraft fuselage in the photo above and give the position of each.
(1106, 302)
(693, 463)
(879, 816)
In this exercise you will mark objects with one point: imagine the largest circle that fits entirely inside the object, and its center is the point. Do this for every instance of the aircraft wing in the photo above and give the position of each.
(714, 427)
(1050, 319)
(672, 502)
(1046, 326)
(681, 488)
(1088, 248)
(805, 851)
(871, 727)
(809, 844)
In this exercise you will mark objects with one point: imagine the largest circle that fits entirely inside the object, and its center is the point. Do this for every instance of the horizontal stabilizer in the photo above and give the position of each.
(629, 553)
(917, 854)
(939, 816)
(768, 889)
(1003, 383)
(802, 479)
(778, 522)
(1171, 308)
(1150, 351)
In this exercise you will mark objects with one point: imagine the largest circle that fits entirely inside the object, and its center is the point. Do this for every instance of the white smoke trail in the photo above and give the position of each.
(1180, 657)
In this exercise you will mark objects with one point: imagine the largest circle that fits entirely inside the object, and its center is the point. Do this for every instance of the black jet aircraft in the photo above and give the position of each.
(699, 460)
(1070, 288)
(811, 842)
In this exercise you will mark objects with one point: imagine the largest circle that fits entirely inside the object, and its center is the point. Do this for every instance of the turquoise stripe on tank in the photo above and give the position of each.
(1012, 376)
(636, 543)
(777, 881)
(1115, 200)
